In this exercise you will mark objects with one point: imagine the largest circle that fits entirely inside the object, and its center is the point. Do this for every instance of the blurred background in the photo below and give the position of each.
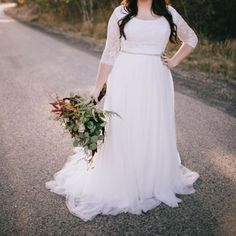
(213, 21)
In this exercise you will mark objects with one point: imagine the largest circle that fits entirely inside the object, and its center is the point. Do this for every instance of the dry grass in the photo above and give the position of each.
(216, 59)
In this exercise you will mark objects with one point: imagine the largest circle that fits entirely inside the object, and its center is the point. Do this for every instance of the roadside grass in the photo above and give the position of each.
(216, 59)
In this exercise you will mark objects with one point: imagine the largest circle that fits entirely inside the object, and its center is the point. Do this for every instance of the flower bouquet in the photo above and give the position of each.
(84, 121)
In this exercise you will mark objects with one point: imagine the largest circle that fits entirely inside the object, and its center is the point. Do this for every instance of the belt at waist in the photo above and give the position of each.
(139, 53)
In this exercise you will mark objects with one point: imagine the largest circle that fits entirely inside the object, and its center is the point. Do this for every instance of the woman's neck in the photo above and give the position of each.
(145, 9)
(144, 4)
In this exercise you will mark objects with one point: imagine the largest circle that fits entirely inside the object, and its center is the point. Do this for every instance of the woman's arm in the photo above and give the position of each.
(180, 55)
(109, 54)
(101, 78)
(186, 35)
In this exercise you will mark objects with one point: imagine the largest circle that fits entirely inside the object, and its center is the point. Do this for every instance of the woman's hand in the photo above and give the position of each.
(94, 93)
(101, 78)
(169, 62)
(178, 57)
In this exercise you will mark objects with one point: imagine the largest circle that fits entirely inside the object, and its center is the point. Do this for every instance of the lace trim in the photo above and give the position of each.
(184, 31)
(113, 41)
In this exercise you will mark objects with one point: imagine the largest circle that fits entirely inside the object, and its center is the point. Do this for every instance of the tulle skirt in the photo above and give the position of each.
(138, 166)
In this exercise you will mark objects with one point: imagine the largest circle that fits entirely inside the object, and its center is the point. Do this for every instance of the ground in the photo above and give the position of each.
(35, 65)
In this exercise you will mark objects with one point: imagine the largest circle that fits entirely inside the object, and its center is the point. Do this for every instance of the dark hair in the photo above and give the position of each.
(158, 8)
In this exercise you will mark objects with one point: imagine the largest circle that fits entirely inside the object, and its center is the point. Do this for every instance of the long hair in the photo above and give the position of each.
(158, 8)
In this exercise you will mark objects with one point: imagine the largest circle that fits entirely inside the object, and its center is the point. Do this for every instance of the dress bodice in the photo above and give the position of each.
(143, 36)
(146, 36)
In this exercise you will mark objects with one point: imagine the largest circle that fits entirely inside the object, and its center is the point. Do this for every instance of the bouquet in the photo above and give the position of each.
(84, 121)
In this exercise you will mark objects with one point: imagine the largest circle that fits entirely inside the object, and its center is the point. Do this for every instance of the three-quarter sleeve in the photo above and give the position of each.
(112, 45)
(184, 31)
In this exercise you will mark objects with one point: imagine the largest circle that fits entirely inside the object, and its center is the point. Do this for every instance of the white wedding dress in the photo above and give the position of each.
(138, 166)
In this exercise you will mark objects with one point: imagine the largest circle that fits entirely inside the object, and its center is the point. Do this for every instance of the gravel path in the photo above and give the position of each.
(33, 66)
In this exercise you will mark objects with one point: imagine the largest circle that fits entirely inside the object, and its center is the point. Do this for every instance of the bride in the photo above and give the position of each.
(138, 166)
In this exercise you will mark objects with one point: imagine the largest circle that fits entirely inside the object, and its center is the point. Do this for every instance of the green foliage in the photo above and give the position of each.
(84, 10)
(84, 121)
(214, 19)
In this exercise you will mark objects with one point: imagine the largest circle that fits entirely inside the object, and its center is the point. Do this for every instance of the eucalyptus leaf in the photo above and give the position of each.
(94, 139)
(75, 128)
(75, 143)
(92, 146)
(86, 140)
(90, 124)
(92, 130)
(97, 132)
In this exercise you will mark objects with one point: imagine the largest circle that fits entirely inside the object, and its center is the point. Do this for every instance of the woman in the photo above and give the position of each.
(138, 166)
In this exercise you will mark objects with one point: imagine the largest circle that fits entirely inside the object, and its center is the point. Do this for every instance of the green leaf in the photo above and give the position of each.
(94, 115)
(90, 125)
(86, 141)
(92, 146)
(75, 143)
(103, 124)
(94, 139)
(97, 132)
(75, 127)
(92, 130)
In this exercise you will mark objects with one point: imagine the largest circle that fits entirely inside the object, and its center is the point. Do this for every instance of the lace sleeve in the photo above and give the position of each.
(184, 31)
(112, 45)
